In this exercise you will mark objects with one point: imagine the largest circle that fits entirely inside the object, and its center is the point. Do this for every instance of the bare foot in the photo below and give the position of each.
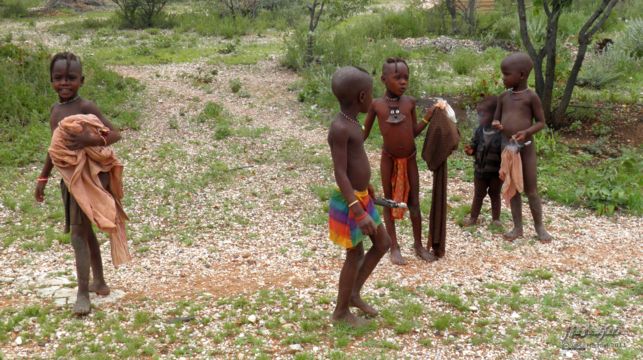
(496, 223)
(423, 253)
(513, 234)
(356, 301)
(82, 305)
(396, 256)
(543, 235)
(350, 319)
(99, 289)
(469, 222)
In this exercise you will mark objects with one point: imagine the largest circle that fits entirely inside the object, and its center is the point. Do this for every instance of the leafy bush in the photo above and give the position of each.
(140, 13)
(24, 110)
(464, 61)
(13, 9)
(601, 185)
(618, 60)
(631, 39)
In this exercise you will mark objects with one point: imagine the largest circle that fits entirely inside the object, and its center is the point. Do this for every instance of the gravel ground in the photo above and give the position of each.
(250, 226)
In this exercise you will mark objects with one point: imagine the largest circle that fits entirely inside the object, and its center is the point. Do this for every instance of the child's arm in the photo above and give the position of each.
(497, 116)
(539, 115)
(89, 138)
(470, 149)
(338, 140)
(41, 182)
(368, 121)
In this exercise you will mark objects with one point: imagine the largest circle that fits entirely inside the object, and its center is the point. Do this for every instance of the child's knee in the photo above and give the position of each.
(383, 242)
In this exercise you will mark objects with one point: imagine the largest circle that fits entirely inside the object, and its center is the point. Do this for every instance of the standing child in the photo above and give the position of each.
(514, 113)
(486, 146)
(91, 186)
(352, 214)
(398, 124)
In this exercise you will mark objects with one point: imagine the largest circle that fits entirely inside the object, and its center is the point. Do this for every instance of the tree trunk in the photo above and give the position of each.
(312, 25)
(593, 24)
(450, 4)
(555, 118)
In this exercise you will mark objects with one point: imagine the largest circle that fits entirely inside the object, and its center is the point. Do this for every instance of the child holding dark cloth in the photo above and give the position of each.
(486, 147)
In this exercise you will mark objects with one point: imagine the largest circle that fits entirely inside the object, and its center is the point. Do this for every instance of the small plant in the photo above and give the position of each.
(464, 61)
(13, 9)
(140, 13)
(235, 85)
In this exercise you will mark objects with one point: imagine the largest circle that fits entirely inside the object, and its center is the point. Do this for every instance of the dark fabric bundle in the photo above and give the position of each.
(441, 140)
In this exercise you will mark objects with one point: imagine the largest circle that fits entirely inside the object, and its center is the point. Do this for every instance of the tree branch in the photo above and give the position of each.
(524, 31)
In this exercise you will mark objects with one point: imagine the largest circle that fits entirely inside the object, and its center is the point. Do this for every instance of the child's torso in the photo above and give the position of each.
(399, 140)
(517, 113)
(358, 168)
(487, 159)
(61, 111)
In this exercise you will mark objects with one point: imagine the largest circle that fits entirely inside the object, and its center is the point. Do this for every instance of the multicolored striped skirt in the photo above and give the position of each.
(342, 226)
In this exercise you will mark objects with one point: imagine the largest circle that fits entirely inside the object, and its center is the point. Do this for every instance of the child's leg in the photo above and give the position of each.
(495, 189)
(380, 246)
(347, 277)
(516, 215)
(414, 209)
(79, 235)
(528, 155)
(480, 186)
(386, 168)
(98, 284)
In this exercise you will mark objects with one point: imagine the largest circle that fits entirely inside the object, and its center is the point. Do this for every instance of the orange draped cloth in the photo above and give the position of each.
(400, 185)
(511, 173)
(80, 169)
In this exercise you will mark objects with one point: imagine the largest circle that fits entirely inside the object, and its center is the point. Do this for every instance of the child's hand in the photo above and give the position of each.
(84, 139)
(497, 125)
(468, 150)
(39, 194)
(441, 104)
(520, 136)
(367, 225)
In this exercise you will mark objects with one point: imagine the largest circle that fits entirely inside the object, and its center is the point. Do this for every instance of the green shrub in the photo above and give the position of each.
(464, 61)
(235, 85)
(601, 185)
(631, 39)
(141, 13)
(13, 9)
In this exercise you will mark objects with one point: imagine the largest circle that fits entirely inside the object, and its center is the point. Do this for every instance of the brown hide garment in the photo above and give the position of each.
(80, 169)
(441, 140)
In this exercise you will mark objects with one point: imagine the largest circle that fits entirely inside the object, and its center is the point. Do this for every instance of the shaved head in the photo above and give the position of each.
(518, 61)
(348, 82)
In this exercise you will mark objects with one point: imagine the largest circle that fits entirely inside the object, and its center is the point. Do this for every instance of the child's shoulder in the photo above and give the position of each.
(407, 98)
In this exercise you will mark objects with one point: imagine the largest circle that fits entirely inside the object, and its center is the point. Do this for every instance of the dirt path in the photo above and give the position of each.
(237, 212)
(275, 239)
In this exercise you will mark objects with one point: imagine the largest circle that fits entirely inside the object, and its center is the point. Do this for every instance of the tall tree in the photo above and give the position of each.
(555, 117)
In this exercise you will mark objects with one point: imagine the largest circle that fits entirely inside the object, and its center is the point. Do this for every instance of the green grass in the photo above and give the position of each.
(284, 318)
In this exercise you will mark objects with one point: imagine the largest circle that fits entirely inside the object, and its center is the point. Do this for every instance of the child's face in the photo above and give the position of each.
(66, 80)
(396, 78)
(511, 77)
(484, 115)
